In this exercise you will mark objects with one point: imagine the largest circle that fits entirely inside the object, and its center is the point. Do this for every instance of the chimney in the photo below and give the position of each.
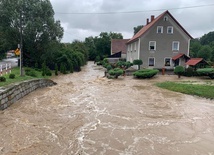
(152, 17)
(147, 21)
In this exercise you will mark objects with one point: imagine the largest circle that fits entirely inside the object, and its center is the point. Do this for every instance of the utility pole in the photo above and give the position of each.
(21, 42)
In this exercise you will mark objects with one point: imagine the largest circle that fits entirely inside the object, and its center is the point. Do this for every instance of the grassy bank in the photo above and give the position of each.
(19, 78)
(202, 90)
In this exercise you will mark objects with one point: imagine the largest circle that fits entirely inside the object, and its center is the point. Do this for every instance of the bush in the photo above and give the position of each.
(145, 73)
(206, 71)
(31, 73)
(179, 70)
(2, 79)
(138, 62)
(12, 76)
(56, 69)
(48, 72)
(115, 72)
(189, 72)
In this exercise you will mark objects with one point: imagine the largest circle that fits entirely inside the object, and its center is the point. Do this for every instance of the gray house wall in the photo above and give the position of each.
(163, 43)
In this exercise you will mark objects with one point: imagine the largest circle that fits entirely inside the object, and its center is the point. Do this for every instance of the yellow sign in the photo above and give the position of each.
(17, 51)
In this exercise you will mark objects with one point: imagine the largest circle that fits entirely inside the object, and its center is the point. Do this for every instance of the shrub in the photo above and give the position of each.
(48, 72)
(206, 71)
(109, 67)
(12, 76)
(2, 79)
(31, 73)
(138, 62)
(56, 69)
(189, 72)
(145, 73)
(179, 70)
(115, 72)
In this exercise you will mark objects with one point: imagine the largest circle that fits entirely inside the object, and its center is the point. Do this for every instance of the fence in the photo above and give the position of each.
(5, 69)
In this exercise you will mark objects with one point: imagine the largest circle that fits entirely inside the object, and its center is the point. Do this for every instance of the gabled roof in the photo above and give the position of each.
(118, 45)
(195, 61)
(179, 56)
(148, 26)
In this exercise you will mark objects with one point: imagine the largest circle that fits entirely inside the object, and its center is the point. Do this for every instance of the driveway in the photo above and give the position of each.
(86, 114)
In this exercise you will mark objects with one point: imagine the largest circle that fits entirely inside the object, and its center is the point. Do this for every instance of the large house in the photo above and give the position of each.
(161, 43)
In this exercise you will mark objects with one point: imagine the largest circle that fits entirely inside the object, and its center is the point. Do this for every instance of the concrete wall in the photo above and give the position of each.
(12, 93)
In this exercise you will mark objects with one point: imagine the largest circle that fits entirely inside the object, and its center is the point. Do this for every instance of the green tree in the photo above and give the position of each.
(195, 46)
(38, 24)
(179, 70)
(206, 39)
(137, 29)
(138, 62)
(205, 52)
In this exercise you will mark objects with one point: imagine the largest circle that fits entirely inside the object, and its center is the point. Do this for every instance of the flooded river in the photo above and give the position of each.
(86, 114)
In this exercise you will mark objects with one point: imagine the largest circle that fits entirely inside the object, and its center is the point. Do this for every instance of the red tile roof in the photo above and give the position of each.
(147, 27)
(179, 55)
(118, 45)
(194, 61)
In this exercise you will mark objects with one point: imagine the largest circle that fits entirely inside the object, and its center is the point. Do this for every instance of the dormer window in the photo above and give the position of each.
(160, 29)
(165, 18)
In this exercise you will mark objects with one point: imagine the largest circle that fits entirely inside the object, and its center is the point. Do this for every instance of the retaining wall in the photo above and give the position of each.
(12, 93)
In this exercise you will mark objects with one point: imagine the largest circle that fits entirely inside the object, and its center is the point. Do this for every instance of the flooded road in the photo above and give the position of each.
(86, 114)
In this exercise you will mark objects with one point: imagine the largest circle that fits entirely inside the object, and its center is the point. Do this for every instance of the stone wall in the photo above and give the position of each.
(12, 93)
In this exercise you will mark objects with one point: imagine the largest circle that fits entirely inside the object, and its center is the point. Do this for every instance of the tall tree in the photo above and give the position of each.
(39, 27)
(137, 29)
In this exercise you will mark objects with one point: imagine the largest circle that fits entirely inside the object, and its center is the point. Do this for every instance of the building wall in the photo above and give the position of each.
(133, 51)
(163, 43)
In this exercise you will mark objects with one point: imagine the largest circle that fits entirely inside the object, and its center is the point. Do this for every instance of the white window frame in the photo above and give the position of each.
(150, 45)
(149, 63)
(173, 45)
(168, 28)
(170, 61)
(161, 29)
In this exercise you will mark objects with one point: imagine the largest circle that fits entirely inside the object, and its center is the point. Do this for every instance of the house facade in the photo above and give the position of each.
(161, 43)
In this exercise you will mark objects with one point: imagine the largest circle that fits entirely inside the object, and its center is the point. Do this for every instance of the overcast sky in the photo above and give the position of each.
(79, 18)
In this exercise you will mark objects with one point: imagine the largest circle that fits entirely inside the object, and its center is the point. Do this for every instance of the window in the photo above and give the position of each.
(170, 30)
(175, 45)
(167, 61)
(160, 29)
(151, 61)
(152, 45)
(165, 18)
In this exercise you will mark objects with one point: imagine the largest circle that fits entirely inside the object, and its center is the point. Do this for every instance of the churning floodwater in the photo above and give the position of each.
(87, 114)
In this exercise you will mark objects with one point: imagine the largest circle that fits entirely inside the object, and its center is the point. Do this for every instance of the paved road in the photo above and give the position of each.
(86, 114)
(12, 61)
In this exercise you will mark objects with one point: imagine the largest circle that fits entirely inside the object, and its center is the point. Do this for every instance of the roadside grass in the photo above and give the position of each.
(202, 90)
(19, 78)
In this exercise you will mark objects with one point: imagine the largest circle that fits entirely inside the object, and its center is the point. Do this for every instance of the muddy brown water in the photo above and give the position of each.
(86, 114)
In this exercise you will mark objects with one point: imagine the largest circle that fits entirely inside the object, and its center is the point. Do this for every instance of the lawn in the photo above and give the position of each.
(202, 90)
(19, 78)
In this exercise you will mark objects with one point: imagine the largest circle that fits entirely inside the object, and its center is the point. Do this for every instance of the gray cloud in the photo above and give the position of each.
(197, 21)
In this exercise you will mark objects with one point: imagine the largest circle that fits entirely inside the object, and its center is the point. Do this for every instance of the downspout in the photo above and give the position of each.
(188, 47)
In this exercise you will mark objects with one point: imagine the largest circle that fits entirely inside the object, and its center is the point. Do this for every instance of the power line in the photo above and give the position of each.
(130, 12)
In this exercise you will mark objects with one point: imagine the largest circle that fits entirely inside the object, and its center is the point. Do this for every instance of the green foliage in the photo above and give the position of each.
(30, 72)
(44, 69)
(205, 52)
(12, 76)
(2, 79)
(206, 71)
(145, 73)
(138, 62)
(137, 29)
(189, 72)
(179, 70)
(115, 72)
(63, 68)
(41, 33)
(48, 72)
(56, 69)
(206, 91)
